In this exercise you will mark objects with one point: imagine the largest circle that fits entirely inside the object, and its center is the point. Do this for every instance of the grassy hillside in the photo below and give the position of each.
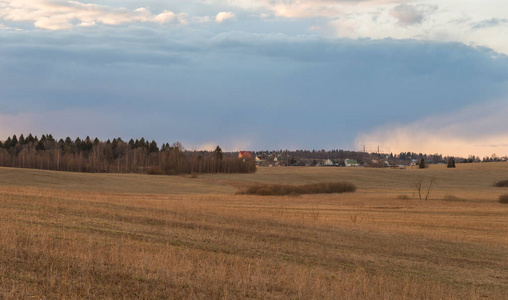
(107, 182)
(71, 235)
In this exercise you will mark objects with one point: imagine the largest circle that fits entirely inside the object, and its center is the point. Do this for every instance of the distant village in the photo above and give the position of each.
(343, 158)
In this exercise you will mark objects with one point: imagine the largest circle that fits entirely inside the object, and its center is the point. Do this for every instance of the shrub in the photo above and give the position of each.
(264, 192)
(193, 175)
(502, 183)
(155, 171)
(313, 188)
(503, 199)
(403, 197)
(451, 163)
(422, 165)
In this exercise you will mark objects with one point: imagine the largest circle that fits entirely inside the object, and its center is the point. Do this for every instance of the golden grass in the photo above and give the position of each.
(67, 235)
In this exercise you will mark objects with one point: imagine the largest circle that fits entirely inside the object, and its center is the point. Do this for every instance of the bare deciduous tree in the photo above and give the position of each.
(419, 185)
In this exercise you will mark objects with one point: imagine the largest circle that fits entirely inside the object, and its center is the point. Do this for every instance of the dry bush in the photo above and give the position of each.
(312, 188)
(403, 197)
(503, 199)
(154, 171)
(193, 175)
(264, 192)
(502, 183)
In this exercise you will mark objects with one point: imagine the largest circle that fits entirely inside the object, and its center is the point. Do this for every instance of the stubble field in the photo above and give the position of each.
(72, 235)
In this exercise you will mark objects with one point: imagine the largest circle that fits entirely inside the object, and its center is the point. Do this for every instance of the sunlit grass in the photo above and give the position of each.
(157, 237)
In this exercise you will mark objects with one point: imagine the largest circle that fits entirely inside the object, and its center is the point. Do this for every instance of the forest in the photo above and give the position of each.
(116, 156)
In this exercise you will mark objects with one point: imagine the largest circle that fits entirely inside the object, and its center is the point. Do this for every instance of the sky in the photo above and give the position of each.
(423, 76)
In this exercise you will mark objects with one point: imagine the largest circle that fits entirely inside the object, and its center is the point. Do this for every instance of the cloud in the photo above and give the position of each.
(374, 19)
(395, 19)
(223, 16)
(235, 88)
(408, 14)
(310, 8)
(475, 130)
(64, 15)
(5, 27)
(165, 17)
(489, 23)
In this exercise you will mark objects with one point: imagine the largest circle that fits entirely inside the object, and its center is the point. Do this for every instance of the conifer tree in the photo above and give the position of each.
(8, 143)
(40, 145)
(153, 147)
(422, 163)
(451, 163)
(218, 153)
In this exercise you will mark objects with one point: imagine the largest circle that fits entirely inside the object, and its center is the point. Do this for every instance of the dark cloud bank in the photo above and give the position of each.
(269, 91)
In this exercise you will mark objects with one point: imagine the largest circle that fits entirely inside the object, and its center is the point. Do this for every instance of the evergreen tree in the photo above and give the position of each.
(40, 146)
(153, 148)
(8, 143)
(78, 143)
(30, 139)
(218, 153)
(451, 163)
(422, 163)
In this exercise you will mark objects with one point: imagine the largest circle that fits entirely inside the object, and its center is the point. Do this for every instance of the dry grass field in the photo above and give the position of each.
(112, 236)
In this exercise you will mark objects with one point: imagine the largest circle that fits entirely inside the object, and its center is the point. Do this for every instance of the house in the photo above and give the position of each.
(328, 163)
(377, 163)
(351, 163)
(245, 154)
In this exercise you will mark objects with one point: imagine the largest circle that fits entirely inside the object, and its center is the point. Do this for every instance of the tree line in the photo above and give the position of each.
(116, 156)
(294, 157)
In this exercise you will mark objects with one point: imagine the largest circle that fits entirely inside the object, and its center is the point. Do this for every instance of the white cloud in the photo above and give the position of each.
(476, 130)
(407, 14)
(87, 24)
(62, 15)
(223, 16)
(476, 23)
(165, 17)
(399, 19)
